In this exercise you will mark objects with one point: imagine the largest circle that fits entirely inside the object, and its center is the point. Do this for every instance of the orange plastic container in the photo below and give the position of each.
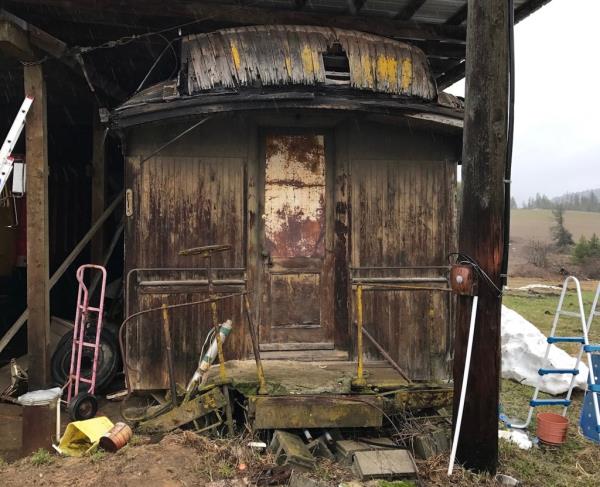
(552, 428)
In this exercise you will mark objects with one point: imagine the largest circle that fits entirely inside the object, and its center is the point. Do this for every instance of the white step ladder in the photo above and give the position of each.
(590, 412)
(6, 161)
(552, 339)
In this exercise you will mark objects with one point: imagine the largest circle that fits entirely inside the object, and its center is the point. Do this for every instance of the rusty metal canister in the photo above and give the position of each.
(116, 438)
(463, 280)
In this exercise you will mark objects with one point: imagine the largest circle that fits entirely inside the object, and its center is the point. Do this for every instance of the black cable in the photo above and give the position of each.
(509, 138)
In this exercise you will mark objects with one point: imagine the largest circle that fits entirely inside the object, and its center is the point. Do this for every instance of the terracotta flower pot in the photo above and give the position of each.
(552, 428)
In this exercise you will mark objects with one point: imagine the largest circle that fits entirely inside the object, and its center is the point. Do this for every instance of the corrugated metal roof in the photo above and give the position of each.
(305, 55)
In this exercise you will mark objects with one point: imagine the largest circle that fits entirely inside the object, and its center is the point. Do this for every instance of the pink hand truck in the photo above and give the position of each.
(82, 404)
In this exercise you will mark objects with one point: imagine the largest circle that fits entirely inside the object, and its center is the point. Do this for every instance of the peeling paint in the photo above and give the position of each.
(407, 73)
(235, 55)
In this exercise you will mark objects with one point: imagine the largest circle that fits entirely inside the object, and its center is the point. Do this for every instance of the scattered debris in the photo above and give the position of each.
(116, 438)
(188, 411)
(518, 437)
(507, 480)
(431, 443)
(290, 450)
(346, 449)
(384, 464)
(82, 437)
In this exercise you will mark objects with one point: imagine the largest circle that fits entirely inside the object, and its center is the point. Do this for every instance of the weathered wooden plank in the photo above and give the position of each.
(98, 185)
(481, 235)
(38, 268)
(315, 412)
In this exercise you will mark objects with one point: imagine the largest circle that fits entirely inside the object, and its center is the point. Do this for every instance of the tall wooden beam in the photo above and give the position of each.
(98, 185)
(38, 289)
(481, 232)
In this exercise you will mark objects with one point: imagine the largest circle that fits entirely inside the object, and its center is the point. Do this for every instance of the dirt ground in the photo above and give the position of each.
(186, 459)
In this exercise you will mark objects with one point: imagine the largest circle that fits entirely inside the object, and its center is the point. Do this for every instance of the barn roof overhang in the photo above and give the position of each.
(121, 39)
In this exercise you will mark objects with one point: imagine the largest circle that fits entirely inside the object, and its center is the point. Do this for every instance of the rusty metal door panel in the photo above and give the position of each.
(295, 196)
(294, 224)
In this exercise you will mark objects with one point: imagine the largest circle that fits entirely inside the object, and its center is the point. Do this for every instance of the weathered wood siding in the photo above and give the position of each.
(191, 194)
(390, 203)
(401, 199)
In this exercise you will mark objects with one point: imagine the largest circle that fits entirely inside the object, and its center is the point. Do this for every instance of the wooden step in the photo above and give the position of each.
(306, 355)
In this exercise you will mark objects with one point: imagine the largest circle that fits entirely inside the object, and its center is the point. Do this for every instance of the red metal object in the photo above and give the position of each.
(84, 313)
(116, 438)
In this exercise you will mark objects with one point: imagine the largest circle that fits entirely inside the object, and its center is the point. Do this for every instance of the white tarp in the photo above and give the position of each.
(523, 347)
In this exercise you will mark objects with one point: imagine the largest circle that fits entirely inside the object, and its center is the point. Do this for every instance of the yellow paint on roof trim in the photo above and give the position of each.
(407, 73)
(387, 70)
(307, 60)
(235, 55)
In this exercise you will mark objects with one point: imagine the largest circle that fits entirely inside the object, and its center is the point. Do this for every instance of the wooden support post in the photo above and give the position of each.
(98, 186)
(481, 233)
(38, 288)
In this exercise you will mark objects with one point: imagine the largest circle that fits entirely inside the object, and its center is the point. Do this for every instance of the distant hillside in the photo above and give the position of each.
(534, 224)
(588, 200)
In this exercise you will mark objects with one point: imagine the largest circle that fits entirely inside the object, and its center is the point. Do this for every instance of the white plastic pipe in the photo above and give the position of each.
(463, 389)
(210, 356)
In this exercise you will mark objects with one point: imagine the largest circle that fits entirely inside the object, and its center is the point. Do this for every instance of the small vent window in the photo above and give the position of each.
(337, 68)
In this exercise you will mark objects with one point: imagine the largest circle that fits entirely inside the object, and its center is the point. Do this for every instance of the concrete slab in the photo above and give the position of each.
(347, 448)
(384, 464)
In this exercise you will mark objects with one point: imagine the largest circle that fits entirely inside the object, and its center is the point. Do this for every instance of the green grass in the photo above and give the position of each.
(540, 308)
(577, 462)
(41, 457)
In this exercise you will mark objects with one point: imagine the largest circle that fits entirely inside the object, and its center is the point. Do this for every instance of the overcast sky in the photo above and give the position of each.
(557, 108)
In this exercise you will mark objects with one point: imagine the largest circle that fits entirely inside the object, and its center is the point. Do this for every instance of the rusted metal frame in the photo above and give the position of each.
(136, 270)
(408, 267)
(169, 345)
(194, 282)
(359, 380)
(262, 385)
(391, 280)
(383, 287)
(126, 365)
(385, 355)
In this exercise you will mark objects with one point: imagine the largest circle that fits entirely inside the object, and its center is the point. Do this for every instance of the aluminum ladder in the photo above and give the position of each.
(552, 339)
(590, 412)
(6, 162)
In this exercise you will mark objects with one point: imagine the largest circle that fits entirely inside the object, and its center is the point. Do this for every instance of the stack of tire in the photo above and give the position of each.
(84, 406)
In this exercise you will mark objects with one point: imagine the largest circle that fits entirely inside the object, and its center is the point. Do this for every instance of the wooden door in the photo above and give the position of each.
(294, 314)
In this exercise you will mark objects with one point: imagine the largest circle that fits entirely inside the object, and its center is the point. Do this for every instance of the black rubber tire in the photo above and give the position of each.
(109, 359)
(83, 406)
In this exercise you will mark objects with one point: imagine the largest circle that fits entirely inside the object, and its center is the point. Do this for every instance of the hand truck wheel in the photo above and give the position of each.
(83, 406)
